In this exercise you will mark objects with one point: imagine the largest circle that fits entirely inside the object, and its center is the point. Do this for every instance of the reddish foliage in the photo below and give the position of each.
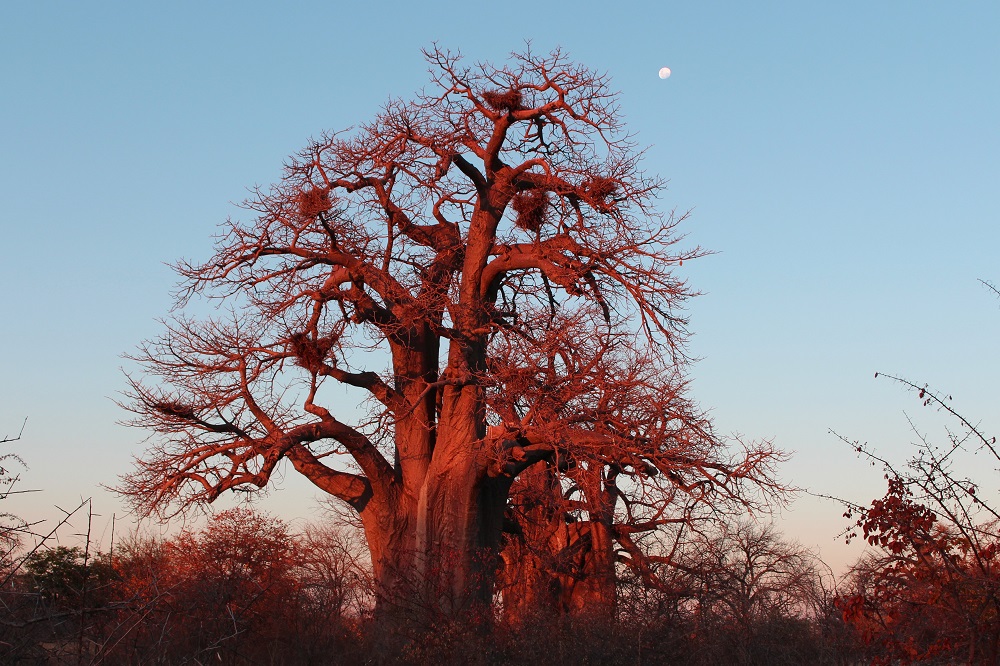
(897, 523)
(932, 591)
(933, 594)
(240, 590)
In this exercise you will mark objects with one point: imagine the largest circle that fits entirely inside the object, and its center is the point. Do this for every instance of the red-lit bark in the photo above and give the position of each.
(649, 460)
(485, 267)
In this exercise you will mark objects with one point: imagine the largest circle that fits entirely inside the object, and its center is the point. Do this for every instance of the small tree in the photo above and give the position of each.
(227, 592)
(932, 590)
(334, 574)
(67, 578)
(752, 594)
(486, 267)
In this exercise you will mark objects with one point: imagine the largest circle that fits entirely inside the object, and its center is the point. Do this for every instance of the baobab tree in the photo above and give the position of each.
(486, 266)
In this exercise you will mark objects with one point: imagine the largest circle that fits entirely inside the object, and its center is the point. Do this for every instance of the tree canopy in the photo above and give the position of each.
(486, 267)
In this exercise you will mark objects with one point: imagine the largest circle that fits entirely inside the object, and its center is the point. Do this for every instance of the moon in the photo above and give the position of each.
(664, 72)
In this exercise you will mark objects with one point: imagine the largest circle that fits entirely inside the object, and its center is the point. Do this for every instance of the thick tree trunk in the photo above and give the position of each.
(574, 575)
(553, 566)
(437, 557)
(435, 541)
(592, 590)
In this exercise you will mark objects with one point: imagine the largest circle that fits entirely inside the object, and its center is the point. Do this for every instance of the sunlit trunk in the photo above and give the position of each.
(434, 550)
(593, 590)
(552, 566)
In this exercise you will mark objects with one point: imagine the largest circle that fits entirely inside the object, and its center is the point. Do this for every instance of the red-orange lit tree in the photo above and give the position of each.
(931, 591)
(485, 266)
(229, 592)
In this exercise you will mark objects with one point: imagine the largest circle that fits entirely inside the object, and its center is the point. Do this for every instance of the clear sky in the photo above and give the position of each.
(841, 159)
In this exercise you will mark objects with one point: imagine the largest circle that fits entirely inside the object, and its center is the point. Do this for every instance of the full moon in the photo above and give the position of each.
(664, 72)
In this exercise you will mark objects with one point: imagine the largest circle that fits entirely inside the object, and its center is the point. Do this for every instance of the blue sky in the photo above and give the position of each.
(840, 159)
